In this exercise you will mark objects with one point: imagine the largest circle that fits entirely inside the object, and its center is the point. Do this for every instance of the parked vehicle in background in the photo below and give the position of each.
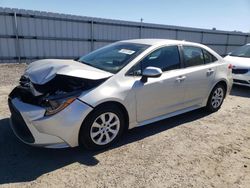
(93, 100)
(240, 59)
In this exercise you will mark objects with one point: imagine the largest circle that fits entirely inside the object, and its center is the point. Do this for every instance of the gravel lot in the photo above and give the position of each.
(196, 149)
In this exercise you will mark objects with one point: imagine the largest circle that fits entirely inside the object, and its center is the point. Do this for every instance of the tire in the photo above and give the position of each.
(102, 128)
(216, 98)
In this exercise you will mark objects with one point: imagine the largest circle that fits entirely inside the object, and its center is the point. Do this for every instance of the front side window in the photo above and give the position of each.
(114, 57)
(193, 56)
(166, 58)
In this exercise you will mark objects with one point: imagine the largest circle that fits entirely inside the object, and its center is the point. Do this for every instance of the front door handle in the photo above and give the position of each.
(181, 78)
(210, 71)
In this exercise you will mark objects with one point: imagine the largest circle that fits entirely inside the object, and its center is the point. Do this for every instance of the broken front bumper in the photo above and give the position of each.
(56, 131)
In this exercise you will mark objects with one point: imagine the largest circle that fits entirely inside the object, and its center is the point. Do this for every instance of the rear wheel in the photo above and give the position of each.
(216, 98)
(102, 128)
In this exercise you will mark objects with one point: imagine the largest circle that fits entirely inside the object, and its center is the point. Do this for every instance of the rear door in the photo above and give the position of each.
(199, 72)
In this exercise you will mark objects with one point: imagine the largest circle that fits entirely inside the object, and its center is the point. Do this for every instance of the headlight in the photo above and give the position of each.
(57, 105)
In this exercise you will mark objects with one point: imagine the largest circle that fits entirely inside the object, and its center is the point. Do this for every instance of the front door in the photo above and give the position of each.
(159, 96)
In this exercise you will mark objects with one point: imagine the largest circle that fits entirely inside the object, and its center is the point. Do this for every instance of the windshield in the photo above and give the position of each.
(243, 51)
(114, 57)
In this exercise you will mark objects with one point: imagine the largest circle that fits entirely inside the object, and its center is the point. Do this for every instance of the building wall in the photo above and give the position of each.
(28, 35)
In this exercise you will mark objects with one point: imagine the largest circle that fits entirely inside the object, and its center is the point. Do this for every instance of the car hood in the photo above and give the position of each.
(42, 71)
(238, 62)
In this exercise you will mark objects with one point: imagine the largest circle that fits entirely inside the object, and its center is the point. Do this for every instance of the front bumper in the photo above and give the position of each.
(56, 131)
(242, 79)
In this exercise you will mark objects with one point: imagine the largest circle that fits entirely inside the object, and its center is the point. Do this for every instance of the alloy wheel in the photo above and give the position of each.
(217, 97)
(105, 128)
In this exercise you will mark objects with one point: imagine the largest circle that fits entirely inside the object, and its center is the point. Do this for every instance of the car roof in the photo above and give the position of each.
(153, 42)
(162, 42)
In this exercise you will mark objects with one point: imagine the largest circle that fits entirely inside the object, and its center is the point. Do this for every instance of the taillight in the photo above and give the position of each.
(230, 66)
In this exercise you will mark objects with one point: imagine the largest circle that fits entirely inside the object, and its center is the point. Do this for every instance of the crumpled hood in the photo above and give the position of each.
(238, 62)
(42, 71)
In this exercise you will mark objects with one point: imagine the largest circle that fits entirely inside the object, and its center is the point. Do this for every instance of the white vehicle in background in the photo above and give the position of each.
(240, 59)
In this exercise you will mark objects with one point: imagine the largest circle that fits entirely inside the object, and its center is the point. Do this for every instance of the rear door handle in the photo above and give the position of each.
(210, 71)
(181, 78)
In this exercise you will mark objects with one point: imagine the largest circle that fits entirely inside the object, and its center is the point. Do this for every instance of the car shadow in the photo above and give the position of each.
(240, 91)
(22, 163)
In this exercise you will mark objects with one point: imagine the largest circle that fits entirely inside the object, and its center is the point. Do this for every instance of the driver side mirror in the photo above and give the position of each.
(150, 72)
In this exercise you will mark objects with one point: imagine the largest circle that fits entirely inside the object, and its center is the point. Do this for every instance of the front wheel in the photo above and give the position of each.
(216, 98)
(103, 127)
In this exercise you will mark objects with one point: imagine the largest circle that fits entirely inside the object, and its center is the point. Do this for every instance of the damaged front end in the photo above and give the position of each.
(39, 115)
(44, 109)
(56, 94)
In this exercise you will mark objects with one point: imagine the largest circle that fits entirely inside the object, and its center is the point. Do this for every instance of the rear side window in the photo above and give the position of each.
(193, 56)
(166, 58)
(208, 58)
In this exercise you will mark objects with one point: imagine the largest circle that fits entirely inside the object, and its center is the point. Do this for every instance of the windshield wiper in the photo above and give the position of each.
(84, 62)
(81, 61)
(76, 59)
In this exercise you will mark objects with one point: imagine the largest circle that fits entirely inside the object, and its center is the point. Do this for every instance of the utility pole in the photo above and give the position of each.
(140, 34)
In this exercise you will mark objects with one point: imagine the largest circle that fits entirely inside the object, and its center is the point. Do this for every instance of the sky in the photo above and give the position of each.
(229, 15)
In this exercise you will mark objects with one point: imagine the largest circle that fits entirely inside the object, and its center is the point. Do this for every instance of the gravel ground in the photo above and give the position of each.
(195, 149)
(10, 73)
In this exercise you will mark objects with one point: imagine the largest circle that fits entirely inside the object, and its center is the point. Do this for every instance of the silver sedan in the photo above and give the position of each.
(91, 101)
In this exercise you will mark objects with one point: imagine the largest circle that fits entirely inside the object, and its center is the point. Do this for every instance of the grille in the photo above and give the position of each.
(240, 71)
(241, 81)
(19, 125)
